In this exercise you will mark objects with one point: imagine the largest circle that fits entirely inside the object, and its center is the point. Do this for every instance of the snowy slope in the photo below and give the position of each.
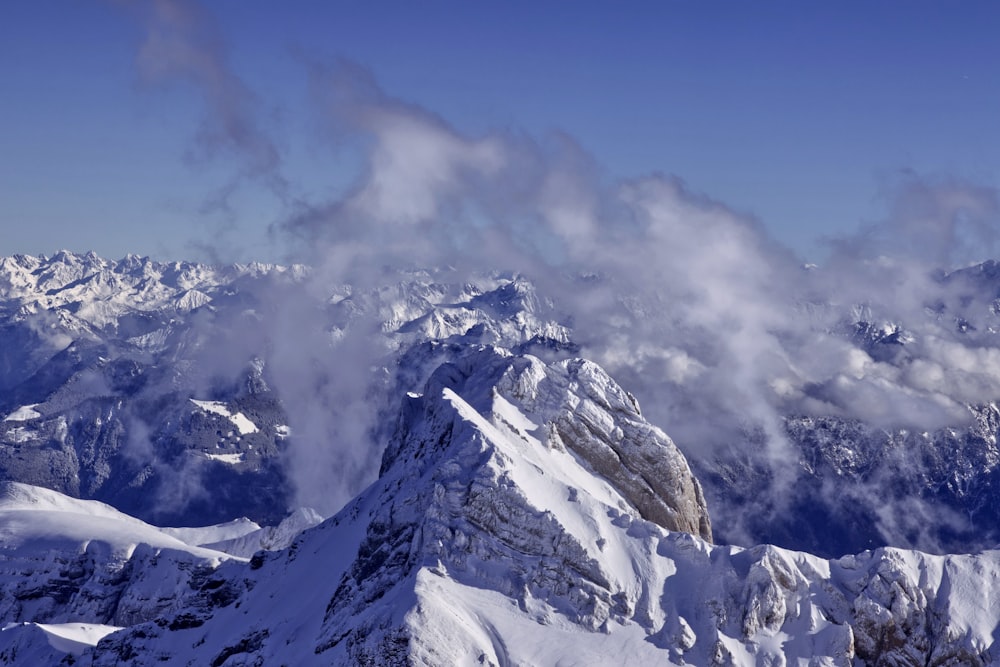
(199, 536)
(491, 539)
(37, 516)
(48, 644)
(267, 538)
(64, 560)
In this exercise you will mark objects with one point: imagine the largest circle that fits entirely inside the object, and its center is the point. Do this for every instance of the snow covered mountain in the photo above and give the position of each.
(63, 560)
(185, 394)
(76, 570)
(97, 364)
(143, 384)
(498, 534)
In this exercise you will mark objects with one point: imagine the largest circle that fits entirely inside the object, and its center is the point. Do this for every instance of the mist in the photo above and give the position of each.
(720, 331)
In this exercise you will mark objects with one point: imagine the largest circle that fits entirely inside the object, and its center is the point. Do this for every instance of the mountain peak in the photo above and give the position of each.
(572, 406)
(484, 472)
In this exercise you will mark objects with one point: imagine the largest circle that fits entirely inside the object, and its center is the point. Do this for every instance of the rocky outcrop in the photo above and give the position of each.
(581, 408)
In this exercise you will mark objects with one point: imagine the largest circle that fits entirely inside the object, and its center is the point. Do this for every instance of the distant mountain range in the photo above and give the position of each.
(507, 502)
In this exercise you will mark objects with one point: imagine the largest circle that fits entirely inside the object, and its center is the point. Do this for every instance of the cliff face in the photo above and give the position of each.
(582, 409)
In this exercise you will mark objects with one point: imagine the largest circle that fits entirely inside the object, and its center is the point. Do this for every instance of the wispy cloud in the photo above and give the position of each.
(718, 328)
(182, 47)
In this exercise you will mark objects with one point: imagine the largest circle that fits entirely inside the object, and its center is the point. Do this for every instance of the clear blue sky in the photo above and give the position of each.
(797, 113)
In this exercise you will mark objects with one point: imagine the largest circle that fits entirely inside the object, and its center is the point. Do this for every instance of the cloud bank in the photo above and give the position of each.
(719, 330)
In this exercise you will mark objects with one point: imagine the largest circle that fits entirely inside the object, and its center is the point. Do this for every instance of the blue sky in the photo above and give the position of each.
(801, 114)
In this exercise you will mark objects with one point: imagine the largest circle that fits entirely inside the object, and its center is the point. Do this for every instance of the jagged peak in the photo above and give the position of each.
(513, 295)
(574, 405)
(65, 256)
(132, 263)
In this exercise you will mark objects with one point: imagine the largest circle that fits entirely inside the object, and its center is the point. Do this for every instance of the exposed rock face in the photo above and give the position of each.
(582, 409)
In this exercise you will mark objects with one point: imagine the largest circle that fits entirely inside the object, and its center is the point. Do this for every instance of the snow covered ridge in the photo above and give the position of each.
(100, 362)
(65, 560)
(489, 538)
(73, 571)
